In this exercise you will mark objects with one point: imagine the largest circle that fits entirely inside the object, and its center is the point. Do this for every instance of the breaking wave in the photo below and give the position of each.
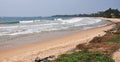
(35, 26)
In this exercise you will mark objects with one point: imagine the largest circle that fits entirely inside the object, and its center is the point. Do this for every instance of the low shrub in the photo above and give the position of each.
(84, 56)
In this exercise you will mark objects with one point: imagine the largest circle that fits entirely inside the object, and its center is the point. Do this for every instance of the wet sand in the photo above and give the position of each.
(21, 40)
(55, 47)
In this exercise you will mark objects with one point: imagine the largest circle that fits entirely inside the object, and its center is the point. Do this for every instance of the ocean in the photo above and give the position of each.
(17, 31)
(26, 25)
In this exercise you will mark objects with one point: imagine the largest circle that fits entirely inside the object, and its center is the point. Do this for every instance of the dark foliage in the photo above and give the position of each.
(109, 13)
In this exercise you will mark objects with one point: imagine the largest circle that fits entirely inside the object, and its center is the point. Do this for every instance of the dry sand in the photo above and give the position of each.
(55, 47)
(116, 56)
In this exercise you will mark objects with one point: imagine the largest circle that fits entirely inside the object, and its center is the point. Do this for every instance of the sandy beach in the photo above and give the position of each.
(58, 46)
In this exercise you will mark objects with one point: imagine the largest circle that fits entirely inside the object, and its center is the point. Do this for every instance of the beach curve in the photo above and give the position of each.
(52, 47)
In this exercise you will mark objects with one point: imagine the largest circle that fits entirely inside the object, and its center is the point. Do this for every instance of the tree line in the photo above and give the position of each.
(109, 13)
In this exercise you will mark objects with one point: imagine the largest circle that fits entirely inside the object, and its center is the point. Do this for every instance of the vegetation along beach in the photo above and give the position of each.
(59, 31)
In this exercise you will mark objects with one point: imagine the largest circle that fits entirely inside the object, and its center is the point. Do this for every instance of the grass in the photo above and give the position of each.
(84, 56)
(115, 39)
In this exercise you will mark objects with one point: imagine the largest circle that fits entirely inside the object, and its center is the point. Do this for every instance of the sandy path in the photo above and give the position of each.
(53, 47)
(116, 56)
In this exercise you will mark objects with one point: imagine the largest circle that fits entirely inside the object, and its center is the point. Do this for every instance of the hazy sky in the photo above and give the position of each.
(53, 7)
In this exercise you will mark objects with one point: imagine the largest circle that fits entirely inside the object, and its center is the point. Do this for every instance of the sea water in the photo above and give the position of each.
(16, 26)
(14, 30)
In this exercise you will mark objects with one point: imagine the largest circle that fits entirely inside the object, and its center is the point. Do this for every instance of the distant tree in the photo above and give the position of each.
(111, 13)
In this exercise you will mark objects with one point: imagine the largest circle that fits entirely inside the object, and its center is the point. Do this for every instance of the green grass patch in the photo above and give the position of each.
(115, 39)
(84, 56)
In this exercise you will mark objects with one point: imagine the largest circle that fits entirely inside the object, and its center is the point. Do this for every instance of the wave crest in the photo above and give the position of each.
(29, 21)
(32, 26)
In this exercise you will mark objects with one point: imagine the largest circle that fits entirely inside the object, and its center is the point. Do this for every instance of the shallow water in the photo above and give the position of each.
(13, 35)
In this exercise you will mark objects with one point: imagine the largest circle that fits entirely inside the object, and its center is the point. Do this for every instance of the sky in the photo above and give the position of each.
(54, 7)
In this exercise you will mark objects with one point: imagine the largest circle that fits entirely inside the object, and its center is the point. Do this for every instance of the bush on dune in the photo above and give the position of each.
(84, 56)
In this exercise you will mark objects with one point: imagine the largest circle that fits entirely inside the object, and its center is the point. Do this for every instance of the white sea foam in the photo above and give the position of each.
(29, 21)
(35, 26)
(74, 20)
(26, 21)
(58, 19)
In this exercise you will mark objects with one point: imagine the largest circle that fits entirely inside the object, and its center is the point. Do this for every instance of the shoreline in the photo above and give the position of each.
(35, 38)
(59, 46)
(8, 42)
